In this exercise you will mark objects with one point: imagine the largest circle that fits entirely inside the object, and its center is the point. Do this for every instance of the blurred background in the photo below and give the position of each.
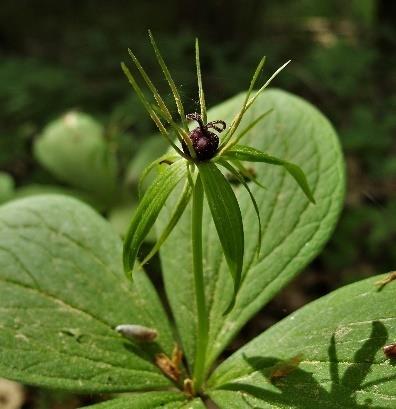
(60, 77)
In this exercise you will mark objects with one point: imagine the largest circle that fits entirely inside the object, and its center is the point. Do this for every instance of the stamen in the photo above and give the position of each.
(214, 125)
(196, 117)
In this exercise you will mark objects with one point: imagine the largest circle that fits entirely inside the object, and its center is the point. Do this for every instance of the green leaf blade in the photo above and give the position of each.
(63, 292)
(246, 153)
(340, 340)
(293, 231)
(148, 210)
(227, 218)
(74, 149)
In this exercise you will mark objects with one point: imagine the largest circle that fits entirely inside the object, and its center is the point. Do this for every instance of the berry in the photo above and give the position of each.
(204, 142)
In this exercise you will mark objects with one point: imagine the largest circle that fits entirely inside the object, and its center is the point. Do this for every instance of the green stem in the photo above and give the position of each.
(203, 324)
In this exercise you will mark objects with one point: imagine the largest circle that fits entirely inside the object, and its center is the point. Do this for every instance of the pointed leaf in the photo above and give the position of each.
(226, 216)
(178, 212)
(148, 210)
(293, 230)
(63, 292)
(339, 342)
(248, 154)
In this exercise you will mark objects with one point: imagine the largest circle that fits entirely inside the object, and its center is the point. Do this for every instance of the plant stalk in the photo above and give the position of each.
(203, 324)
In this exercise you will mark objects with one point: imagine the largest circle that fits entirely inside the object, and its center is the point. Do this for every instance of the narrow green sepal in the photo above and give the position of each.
(248, 154)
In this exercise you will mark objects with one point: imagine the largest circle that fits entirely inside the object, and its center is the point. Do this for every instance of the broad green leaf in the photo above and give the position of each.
(339, 340)
(293, 229)
(73, 148)
(227, 219)
(62, 293)
(248, 154)
(35, 189)
(148, 209)
(152, 400)
(6, 187)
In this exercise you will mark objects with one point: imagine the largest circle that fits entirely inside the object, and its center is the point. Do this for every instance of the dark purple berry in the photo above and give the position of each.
(390, 351)
(204, 142)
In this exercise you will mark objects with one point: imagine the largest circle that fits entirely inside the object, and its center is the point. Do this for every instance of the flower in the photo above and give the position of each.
(198, 155)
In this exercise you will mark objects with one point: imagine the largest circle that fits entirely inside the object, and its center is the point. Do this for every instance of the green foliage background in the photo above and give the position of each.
(57, 56)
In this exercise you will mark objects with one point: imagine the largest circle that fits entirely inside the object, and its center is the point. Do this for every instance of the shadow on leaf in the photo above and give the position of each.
(299, 389)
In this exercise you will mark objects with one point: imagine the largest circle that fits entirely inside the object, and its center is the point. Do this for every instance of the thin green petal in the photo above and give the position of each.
(246, 153)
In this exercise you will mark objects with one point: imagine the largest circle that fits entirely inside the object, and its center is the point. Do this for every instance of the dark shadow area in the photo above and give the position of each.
(310, 393)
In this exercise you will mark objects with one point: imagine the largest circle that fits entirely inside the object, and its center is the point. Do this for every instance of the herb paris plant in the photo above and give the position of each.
(201, 152)
(63, 292)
